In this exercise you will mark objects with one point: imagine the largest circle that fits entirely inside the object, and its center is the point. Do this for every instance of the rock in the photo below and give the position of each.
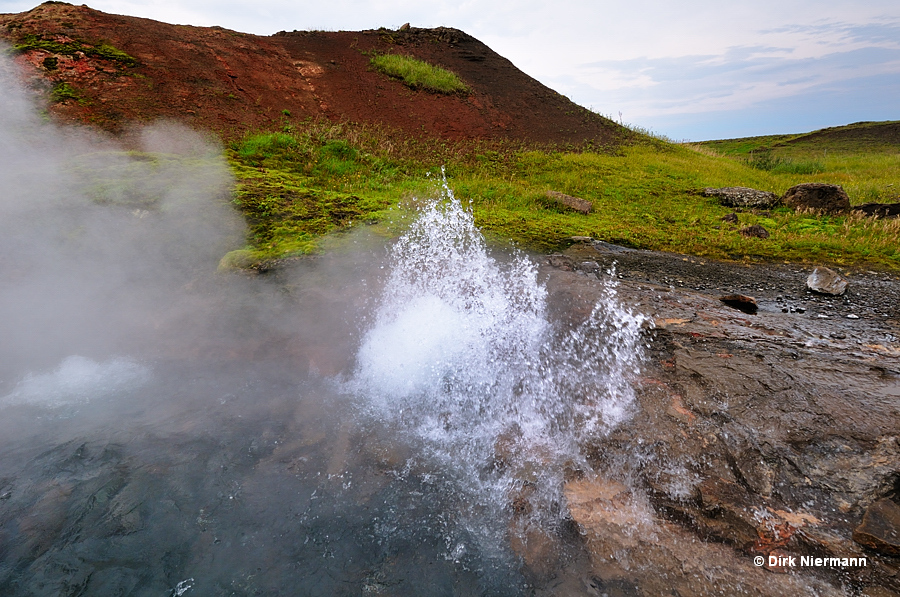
(561, 262)
(731, 218)
(591, 267)
(632, 552)
(742, 197)
(881, 210)
(826, 281)
(538, 549)
(728, 511)
(404, 27)
(829, 198)
(755, 231)
(741, 302)
(880, 528)
(575, 203)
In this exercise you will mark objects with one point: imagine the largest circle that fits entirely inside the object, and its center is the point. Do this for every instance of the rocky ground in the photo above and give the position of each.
(765, 435)
(772, 434)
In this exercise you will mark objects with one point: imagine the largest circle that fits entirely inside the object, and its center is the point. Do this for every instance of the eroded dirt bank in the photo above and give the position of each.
(767, 434)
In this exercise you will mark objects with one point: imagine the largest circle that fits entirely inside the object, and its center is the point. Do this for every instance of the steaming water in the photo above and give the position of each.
(78, 379)
(166, 430)
(461, 360)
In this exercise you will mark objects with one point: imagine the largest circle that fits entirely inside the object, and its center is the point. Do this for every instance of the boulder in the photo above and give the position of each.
(881, 210)
(826, 281)
(742, 197)
(755, 231)
(880, 528)
(830, 198)
(575, 203)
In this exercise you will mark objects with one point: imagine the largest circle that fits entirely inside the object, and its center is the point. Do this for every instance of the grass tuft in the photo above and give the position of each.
(418, 74)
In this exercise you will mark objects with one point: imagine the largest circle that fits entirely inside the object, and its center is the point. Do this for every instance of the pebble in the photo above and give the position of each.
(853, 316)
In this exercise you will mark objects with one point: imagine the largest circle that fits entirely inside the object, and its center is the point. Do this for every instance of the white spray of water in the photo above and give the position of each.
(462, 359)
(78, 379)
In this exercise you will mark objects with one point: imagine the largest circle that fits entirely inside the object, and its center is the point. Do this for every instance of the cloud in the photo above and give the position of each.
(737, 80)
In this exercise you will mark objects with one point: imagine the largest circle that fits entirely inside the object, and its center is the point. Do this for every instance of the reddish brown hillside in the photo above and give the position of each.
(110, 69)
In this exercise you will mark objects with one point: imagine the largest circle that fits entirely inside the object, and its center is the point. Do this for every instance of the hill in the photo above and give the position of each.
(868, 137)
(109, 70)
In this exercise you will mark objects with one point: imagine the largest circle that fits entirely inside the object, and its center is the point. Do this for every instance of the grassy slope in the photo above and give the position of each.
(294, 187)
(863, 157)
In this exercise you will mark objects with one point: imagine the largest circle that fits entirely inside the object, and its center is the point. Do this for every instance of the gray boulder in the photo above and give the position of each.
(742, 197)
(826, 281)
(830, 198)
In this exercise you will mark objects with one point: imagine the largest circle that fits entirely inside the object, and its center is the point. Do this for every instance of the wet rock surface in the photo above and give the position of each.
(880, 528)
(764, 435)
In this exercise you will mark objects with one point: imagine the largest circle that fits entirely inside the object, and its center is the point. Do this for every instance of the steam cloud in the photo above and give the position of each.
(100, 241)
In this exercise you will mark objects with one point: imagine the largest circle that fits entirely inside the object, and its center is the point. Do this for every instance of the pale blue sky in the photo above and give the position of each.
(693, 70)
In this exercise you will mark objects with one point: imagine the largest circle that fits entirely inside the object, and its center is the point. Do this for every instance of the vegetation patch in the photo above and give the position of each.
(766, 160)
(297, 187)
(71, 48)
(418, 74)
(63, 92)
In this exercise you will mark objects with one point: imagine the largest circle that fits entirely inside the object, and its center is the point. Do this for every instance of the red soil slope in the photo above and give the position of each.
(231, 82)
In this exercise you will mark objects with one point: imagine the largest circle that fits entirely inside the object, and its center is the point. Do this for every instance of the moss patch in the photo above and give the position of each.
(71, 48)
(63, 92)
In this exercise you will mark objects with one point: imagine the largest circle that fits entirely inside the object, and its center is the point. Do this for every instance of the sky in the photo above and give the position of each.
(692, 70)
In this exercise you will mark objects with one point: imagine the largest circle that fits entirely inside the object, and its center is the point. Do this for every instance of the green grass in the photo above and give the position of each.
(296, 188)
(418, 74)
(862, 157)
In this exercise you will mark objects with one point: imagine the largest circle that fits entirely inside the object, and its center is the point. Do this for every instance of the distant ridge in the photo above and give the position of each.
(109, 70)
(858, 136)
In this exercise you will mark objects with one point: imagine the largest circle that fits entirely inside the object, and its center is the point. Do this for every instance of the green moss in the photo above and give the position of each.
(102, 50)
(418, 74)
(63, 92)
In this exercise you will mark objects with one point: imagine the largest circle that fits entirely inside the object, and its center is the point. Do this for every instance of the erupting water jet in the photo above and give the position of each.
(463, 362)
